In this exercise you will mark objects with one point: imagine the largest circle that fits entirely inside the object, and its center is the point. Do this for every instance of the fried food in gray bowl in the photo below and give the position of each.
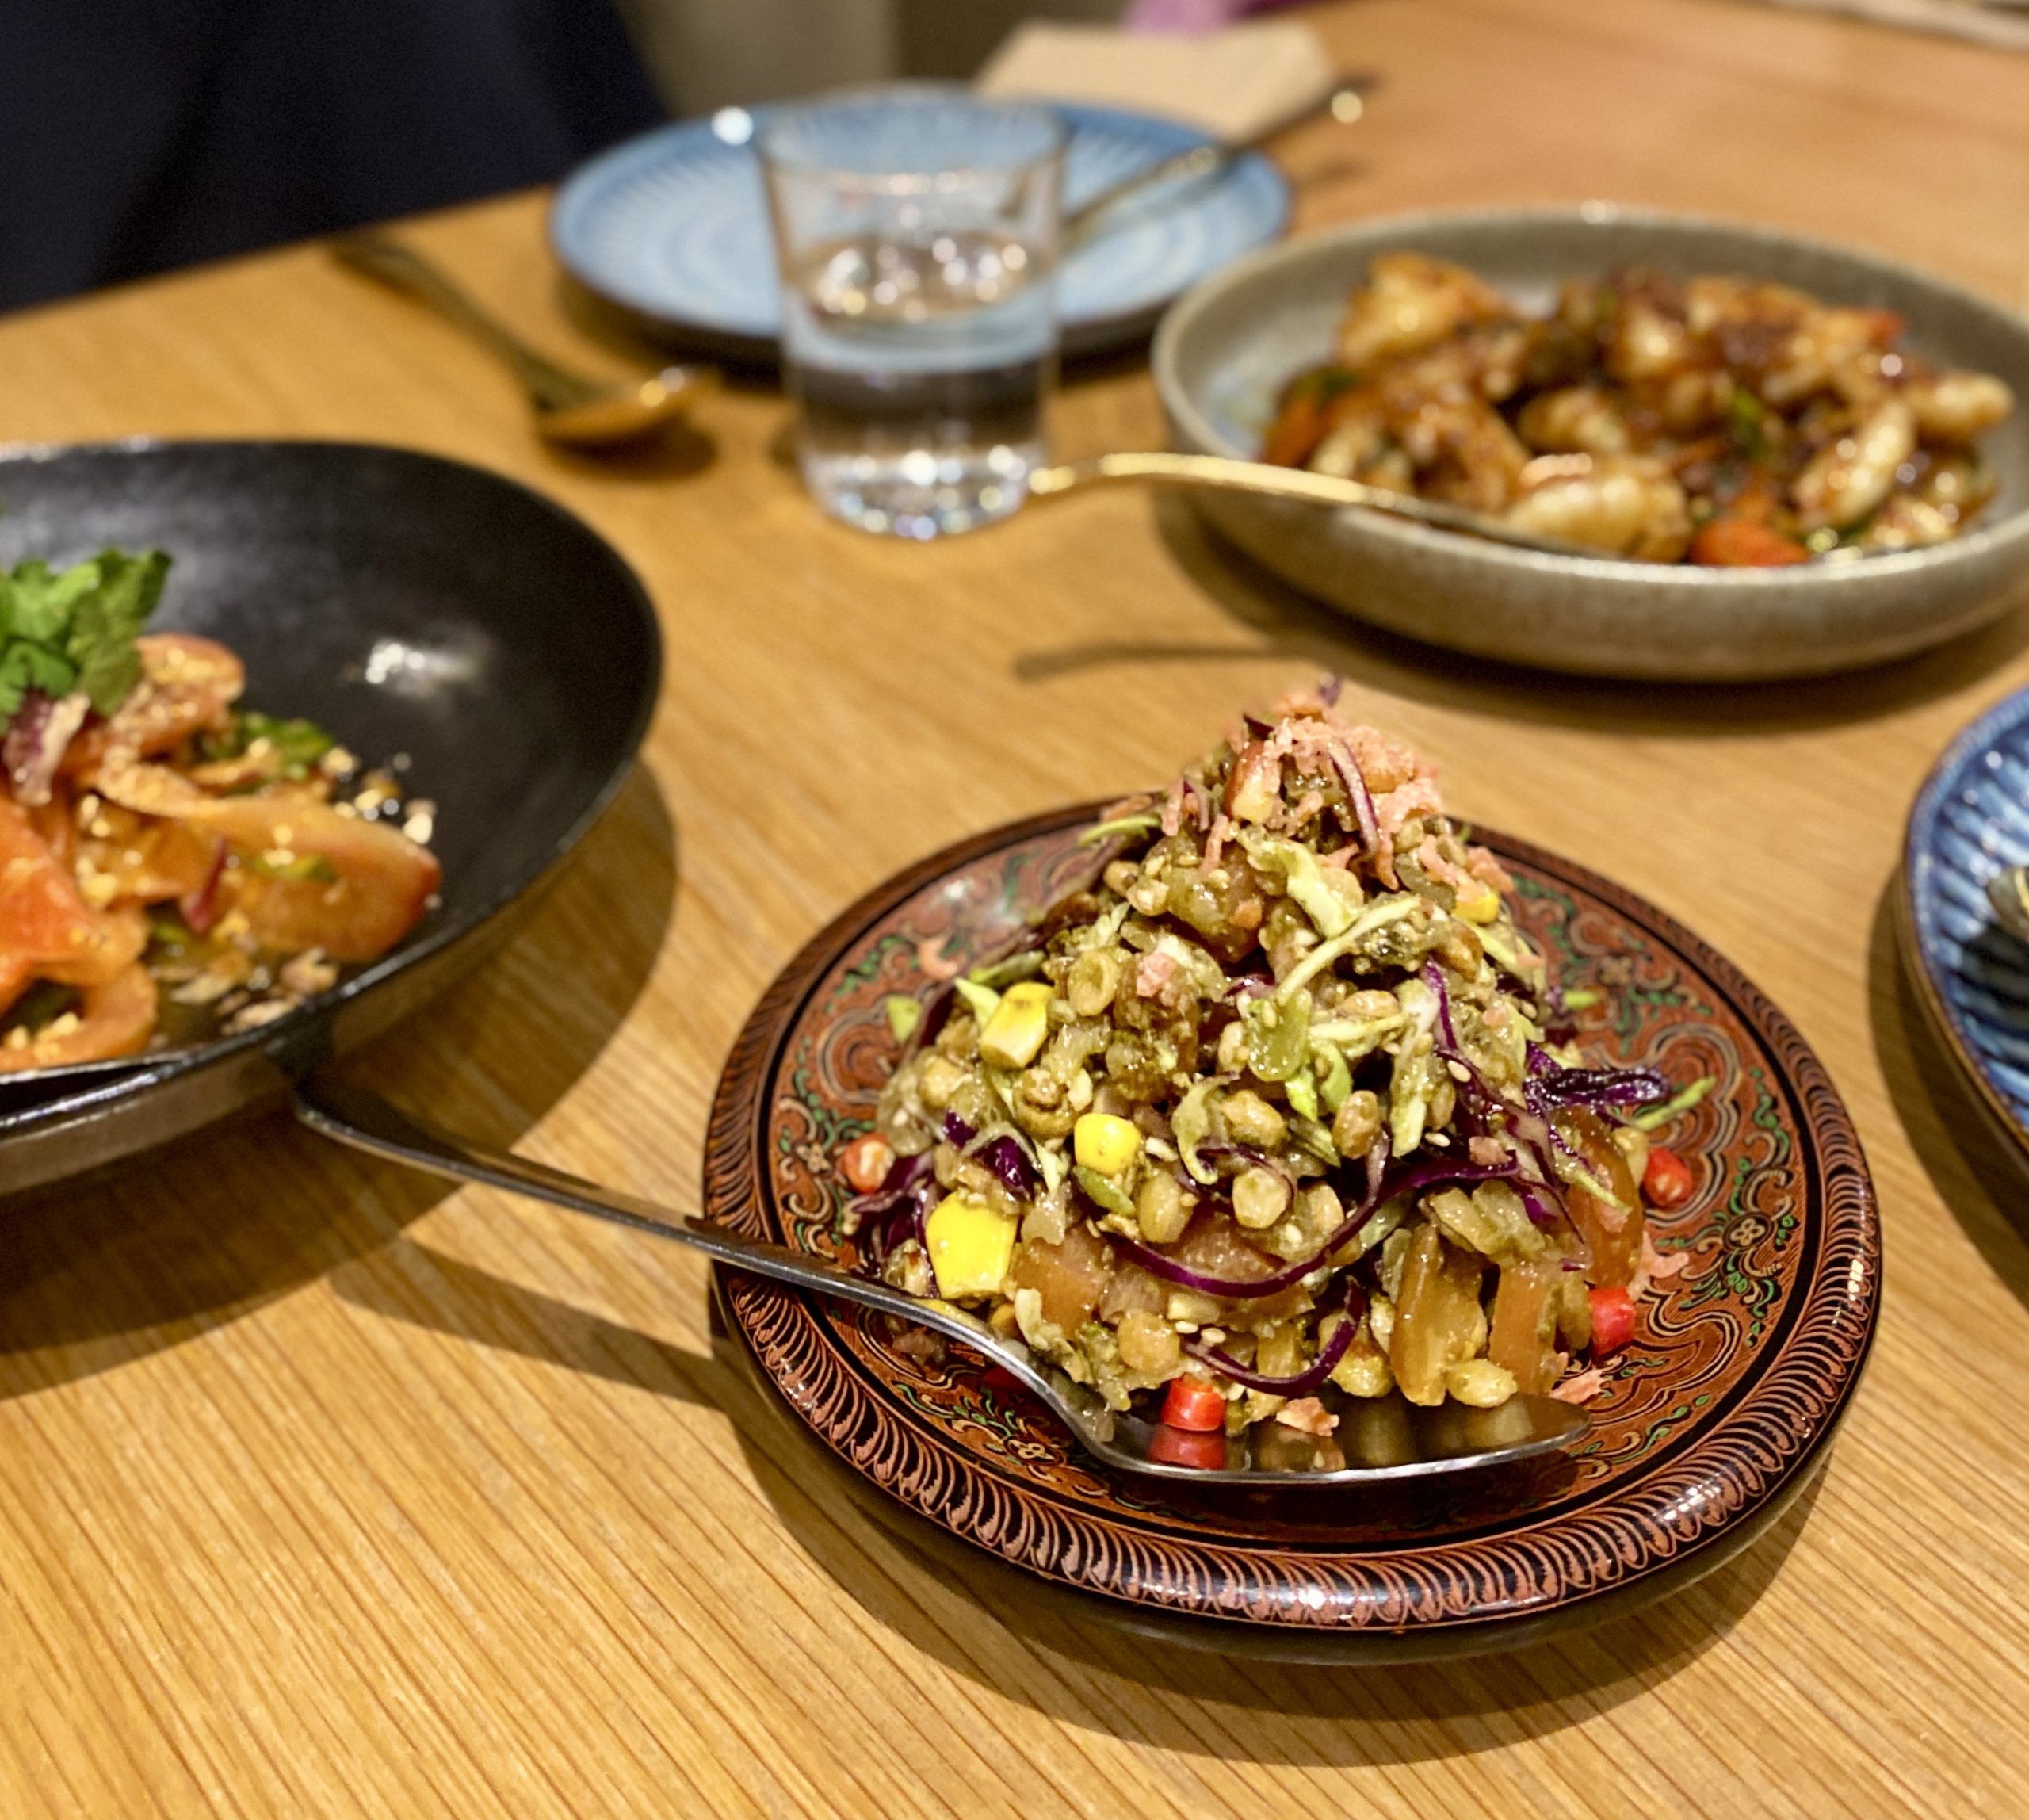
(1768, 457)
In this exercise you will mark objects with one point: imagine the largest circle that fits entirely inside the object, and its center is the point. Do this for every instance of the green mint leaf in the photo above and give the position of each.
(40, 603)
(105, 619)
(25, 666)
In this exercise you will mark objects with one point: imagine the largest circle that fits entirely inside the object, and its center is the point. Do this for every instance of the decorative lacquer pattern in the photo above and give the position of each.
(1736, 1376)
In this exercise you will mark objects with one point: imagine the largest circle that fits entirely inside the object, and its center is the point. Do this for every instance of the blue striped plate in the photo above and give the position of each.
(1971, 820)
(673, 227)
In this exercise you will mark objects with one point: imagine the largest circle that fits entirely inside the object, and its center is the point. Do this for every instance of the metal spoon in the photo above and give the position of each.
(1223, 474)
(1345, 105)
(1391, 1437)
(570, 409)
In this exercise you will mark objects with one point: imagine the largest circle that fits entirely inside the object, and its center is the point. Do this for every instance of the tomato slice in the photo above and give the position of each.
(1193, 1404)
(1175, 1446)
(1613, 1319)
(46, 932)
(115, 1018)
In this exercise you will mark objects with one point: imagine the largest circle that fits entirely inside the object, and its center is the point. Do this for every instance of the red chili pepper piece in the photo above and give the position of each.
(1193, 1404)
(1667, 1180)
(1613, 1319)
(1173, 1447)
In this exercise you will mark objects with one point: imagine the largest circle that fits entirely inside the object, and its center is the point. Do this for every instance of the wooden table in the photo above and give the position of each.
(323, 1490)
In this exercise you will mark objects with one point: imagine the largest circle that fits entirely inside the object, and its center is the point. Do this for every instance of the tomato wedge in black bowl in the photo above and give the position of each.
(411, 605)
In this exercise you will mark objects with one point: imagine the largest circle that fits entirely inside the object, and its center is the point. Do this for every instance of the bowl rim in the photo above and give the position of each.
(1912, 897)
(2008, 534)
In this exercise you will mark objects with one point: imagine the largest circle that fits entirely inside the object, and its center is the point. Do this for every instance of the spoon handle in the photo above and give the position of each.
(1344, 104)
(550, 385)
(352, 1115)
(1222, 473)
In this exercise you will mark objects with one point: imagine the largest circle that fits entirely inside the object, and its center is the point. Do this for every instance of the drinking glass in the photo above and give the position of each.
(916, 230)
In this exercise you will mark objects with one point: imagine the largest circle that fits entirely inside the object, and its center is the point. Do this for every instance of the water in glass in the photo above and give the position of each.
(917, 230)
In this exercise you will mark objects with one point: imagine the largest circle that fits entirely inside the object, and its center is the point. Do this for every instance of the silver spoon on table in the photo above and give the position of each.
(1393, 1438)
(570, 409)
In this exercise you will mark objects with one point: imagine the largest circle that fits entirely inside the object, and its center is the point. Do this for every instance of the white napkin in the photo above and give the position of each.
(1237, 84)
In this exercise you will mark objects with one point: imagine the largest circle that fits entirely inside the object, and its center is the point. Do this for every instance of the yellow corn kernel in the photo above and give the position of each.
(1014, 1035)
(1105, 1143)
(970, 1246)
(1484, 908)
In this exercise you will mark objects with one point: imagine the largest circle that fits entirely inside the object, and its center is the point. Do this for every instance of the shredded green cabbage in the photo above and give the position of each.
(1191, 1124)
(1654, 1118)
(1101, 830)
(982, 1001)
(1305, 882)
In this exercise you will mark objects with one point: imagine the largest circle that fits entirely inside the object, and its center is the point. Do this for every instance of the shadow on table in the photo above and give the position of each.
(630, 337)
(423, 1287)
(1284, 623)
(988, 1622)
(1977, 1172)
(192, 1237)
(676, 452)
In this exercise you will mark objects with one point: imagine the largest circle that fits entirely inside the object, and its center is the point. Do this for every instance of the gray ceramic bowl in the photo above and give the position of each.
(1224, 351)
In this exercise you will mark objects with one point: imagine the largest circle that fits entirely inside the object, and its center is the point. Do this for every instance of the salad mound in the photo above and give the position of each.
(1272, 1113)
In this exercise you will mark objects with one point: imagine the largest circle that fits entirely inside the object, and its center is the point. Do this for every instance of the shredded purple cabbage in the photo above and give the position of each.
(1005, 1154)
(1254, 1289)
(1433, 978)
(896, 1209)
(1477, 1100)
(1304, 1381)
(36, 740)
(1355, 779)
(1010, 1166)
(1554, 1088)
(936, 1013)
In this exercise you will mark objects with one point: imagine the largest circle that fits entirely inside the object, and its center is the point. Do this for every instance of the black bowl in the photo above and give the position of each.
(411, 605)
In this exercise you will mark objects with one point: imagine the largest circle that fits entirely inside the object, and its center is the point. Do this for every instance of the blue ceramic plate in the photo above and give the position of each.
(1970, 821)
(673, 227)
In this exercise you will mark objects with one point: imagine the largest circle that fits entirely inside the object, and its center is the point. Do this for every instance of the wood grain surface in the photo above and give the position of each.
(324, 1490)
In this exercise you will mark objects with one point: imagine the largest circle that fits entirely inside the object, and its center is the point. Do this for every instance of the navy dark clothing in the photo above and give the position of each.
(139, 134)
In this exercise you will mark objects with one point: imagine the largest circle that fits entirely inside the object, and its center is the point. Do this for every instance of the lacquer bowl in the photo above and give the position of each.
(1711, 1423)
